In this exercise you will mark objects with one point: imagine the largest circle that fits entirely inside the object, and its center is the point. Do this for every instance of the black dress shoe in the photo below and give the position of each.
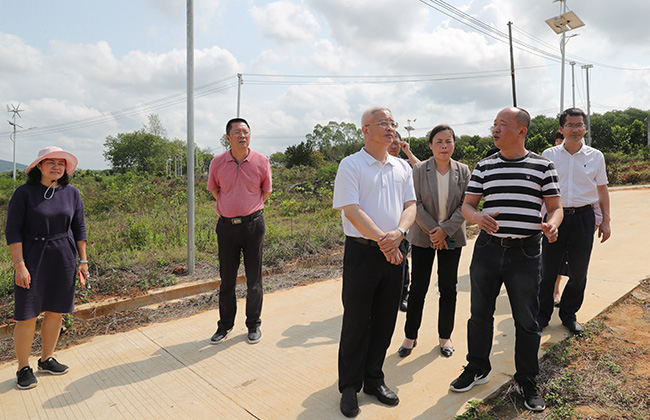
(575, 327)
(349, 403)
(383, 394)
(403, 351)
(404, 303)
(446, 351)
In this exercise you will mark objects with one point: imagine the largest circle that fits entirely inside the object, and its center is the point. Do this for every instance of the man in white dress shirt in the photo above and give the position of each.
(583, 181)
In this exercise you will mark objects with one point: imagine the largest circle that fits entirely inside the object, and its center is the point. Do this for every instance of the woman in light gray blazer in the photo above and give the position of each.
(440, 184)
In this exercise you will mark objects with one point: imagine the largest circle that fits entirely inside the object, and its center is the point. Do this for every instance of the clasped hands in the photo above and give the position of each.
(389, 244)
(437, 237)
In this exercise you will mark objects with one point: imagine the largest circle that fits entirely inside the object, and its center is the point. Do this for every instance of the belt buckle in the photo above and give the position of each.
(236, 220)
(503, 243)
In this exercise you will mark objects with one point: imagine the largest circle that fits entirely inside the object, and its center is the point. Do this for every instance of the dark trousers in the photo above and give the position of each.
(519, 269)
(371, 295)
(405, 246)
(233, 241)
(575, 239)
(422, 264)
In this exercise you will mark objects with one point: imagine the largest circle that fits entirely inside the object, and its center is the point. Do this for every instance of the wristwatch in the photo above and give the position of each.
(403, 231)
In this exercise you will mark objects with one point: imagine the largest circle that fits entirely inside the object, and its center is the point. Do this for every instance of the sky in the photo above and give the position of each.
(84, 70)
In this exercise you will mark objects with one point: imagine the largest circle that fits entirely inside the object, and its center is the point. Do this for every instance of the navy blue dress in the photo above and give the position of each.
(48, 230)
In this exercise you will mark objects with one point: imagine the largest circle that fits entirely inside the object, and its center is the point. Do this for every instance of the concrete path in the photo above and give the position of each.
(170, 370)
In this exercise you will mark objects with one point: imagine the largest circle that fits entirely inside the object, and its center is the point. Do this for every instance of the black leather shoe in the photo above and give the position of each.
(575, 327)
(403, 351)
(349, 403)
(404, 304)
(383, 394)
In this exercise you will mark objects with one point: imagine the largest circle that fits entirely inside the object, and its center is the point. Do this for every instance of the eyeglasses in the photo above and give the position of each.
(573, 126)
(240, 133)
(385, 124)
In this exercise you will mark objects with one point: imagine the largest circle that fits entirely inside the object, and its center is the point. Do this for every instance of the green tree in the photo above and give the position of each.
(335, 140)
(300, 155)
(278, 159)
(139, 151)
(545, 127)
(155, 126)
(537, 143)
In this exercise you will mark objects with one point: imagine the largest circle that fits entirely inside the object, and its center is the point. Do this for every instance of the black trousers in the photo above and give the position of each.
(233, 241)
(575, 240)
(422, 264)
(371, 296)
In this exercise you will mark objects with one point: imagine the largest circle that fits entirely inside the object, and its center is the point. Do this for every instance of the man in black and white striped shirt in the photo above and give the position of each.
(514, 183)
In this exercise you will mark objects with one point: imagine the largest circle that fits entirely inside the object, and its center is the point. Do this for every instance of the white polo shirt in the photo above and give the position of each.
(379, 190)
(580, 174)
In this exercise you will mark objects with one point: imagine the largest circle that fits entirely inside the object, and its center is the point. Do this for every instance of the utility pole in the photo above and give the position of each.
(512, 67)
(573, 82)
(240, 82)
(587, 67)
(190, 138)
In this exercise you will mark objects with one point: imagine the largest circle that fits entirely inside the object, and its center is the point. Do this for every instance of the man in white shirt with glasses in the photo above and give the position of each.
(583, 181)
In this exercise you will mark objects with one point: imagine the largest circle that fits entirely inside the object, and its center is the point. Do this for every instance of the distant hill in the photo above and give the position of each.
(6, 166)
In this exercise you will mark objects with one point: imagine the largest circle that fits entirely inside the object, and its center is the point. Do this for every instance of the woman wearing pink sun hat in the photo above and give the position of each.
(45, 232)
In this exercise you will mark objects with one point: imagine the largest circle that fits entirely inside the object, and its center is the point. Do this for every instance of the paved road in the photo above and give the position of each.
(170, 371)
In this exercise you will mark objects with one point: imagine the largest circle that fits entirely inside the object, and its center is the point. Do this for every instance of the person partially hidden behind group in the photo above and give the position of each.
(45, 232)
(439, 228)
(393, 150)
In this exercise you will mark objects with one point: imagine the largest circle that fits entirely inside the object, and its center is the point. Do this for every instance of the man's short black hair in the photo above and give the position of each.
(234, 121)
(572, 112)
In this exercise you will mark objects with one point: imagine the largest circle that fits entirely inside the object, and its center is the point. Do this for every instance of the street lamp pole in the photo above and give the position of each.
(410, 128)
(587, 67)
(567, 21)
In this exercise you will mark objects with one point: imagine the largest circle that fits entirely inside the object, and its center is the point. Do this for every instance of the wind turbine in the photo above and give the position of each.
(16, 111)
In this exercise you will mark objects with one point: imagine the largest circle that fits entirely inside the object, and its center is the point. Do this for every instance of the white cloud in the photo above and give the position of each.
(285, 22)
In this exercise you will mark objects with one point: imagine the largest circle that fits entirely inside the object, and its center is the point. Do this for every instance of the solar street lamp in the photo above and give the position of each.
(562, 24)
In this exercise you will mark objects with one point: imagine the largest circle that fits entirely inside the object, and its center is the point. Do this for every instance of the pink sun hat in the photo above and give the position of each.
(54, 152)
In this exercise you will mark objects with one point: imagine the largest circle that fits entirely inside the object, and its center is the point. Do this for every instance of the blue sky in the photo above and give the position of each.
(84, 70)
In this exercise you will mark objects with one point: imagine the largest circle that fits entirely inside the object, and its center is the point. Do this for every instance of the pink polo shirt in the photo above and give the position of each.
(240, 185)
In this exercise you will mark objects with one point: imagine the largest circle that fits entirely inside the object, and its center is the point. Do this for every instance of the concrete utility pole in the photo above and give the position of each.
(587, 67)
(240, 82)
(512, 67)
(573, 83)
(190, 138)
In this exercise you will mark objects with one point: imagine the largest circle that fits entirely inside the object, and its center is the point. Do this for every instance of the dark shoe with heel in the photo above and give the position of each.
(447, 351)
(403, 351)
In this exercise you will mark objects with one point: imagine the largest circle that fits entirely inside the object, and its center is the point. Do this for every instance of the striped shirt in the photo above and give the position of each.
(516, 189)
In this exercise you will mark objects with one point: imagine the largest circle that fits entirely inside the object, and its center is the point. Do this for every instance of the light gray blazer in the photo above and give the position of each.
(425, 181)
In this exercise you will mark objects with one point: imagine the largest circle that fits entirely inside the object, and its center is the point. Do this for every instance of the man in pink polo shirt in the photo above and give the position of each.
(240, 181)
